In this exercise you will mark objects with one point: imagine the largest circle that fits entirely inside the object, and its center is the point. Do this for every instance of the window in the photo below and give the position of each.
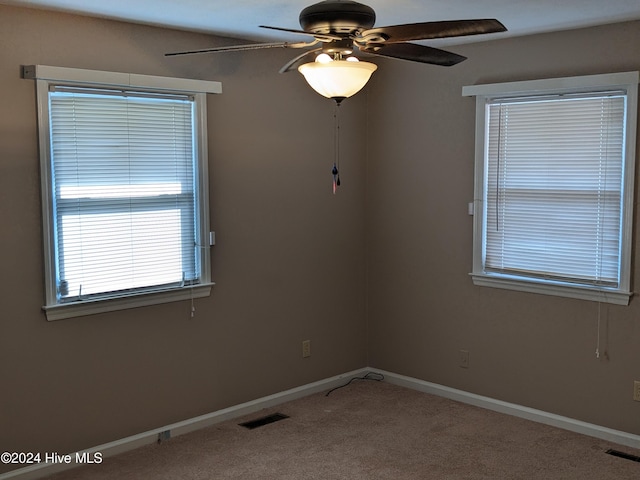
(553, 199)
(125, 197)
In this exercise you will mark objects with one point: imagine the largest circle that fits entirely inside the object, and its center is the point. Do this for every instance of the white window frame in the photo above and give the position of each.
(627, 81)
(45, 76)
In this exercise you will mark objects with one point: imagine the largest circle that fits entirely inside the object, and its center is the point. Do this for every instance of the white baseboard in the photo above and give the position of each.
(40, 470)
(566, 423)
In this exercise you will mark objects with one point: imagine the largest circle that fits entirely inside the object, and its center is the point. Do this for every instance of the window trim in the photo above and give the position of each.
(625, 80)
(47, 75)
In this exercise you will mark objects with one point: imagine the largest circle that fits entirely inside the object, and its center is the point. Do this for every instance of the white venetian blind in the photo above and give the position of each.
(123, 183)
(554, 187)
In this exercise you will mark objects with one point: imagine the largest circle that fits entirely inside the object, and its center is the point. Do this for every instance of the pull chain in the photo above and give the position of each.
(336, 142)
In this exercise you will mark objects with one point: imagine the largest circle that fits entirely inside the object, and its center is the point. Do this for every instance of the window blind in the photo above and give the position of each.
(124, 191)
(553, 187)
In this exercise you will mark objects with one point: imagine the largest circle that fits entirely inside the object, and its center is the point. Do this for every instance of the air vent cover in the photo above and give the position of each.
(259, 422)
(628, 456)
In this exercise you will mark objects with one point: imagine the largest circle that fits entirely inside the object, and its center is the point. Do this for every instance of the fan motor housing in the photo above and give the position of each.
(337, 16)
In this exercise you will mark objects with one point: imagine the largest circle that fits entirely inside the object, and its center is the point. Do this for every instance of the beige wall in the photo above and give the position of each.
(288, 264)
(385, 286)
(529, 349)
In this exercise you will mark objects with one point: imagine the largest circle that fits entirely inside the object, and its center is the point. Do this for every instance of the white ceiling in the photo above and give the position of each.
(241, 18)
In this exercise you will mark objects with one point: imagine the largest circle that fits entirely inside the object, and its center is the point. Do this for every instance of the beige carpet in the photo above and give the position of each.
(372, 430)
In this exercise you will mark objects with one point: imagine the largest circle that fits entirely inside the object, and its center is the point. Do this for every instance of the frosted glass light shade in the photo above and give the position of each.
(337, 79)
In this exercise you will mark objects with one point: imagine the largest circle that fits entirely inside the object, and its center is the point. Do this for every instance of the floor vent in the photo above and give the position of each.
(259, 422)
(628, 456)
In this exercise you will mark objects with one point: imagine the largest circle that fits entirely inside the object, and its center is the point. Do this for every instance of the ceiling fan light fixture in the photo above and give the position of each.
(324, 58)
(337, 78)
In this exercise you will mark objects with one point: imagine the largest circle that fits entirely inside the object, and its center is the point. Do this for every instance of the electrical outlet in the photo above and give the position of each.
(636, 391)
(306, 348)
(464, 359)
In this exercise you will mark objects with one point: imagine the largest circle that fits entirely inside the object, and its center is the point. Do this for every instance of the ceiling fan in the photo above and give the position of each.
(342, 27)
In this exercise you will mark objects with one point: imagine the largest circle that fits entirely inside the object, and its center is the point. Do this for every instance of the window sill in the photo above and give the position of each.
(557, 289)
(91, 307)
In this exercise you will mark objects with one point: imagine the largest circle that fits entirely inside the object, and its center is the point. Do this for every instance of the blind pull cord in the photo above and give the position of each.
(604, 353)
(598, 338)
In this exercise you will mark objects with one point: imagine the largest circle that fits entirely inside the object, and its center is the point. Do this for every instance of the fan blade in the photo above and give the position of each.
(231, 48)
(299, 60)
(428, 30)
(324, 36)
(249, 46)
(417, 53)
